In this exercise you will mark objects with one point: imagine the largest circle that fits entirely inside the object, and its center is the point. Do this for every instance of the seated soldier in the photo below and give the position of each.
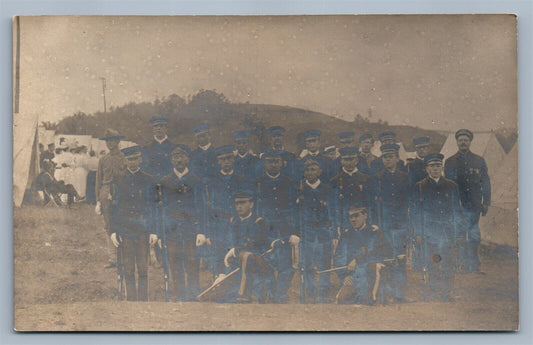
(360, 249)
(248, 243)
(52, 188)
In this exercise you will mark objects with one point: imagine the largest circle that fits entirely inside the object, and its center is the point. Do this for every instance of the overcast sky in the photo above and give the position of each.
(428, 71)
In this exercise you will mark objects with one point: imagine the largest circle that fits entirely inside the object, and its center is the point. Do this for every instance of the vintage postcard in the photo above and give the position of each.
(265, 173)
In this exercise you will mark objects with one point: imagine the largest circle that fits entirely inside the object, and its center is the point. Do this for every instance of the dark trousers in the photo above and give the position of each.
(359, 287)
(468, 248)
(316, 253)
(396, 281)
(182, 259)
(135, 254)
(440, 261)
(257, 277)
(283, 264)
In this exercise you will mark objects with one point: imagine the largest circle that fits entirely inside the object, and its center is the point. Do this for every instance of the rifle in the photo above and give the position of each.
(161, 221)
(219, 281)
(120, 271)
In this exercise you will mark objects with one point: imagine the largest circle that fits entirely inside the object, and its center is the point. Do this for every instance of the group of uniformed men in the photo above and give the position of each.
(265, 217)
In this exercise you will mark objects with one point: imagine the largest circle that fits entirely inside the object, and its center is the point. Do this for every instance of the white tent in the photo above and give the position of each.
(403, 154)
(484, 144)
(72, 140)
(25, 154)
(504, 181)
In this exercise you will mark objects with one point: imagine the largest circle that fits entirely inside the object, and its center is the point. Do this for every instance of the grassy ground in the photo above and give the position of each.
(61, 285)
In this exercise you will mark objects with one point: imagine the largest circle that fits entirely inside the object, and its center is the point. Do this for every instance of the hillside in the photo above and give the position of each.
(213, 108)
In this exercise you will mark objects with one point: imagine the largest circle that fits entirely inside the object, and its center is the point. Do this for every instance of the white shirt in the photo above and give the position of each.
(161, 141)
(206, 147)
(272, 177)
(314, 185)
(349, 172)
(180, 175)
(226, 174)
(244, 218)
(133, 171)
(435, 179)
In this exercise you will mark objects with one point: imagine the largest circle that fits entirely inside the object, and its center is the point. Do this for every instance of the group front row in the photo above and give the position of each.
(255, 235)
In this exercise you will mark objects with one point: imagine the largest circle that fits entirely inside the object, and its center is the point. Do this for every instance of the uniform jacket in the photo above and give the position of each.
(348, 190)
(183, 202)
(288, 167)
(470, 173)
(134, 202)
(204, 163)
(276, 201)
(157, 159)
(247, 166)
(249, 234)
(364, 163)
(366, 246)
(326, 164)
(110, 167)
(436, 211)
(390, 200)
(315, 211)
(416, 169)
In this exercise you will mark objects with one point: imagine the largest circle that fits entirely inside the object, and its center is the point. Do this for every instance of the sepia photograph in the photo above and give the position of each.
(265, 173)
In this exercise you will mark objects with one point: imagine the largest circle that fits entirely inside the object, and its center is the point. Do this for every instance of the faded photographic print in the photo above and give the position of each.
(265, 173)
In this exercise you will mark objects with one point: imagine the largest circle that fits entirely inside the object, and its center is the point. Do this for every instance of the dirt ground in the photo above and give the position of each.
(61, 285)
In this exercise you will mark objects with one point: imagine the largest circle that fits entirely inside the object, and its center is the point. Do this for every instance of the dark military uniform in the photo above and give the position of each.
(183, 201)
(315, 218)
(246, 165)
(132, 218)
(349, 188)
(204, 162)
(377, 165)
(367, 246)
(470, 173)
(289, 166)
(437, 220)
(365, 161)
(276, 201)
(249, 238)
(390, 211)
(416, 170)
(156, 158)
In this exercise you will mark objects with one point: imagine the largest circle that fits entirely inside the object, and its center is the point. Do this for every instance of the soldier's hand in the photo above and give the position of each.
(484, 210)
(98, 208)
(294, 240)
(229, 256)
(208, 242)
(351, 266)
(115, 239)
(335, 243)
(200, 240)
(160, 244)
(153, 239)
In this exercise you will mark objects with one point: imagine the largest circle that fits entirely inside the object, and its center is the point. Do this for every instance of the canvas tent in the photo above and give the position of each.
(484, 144)
(504, 181)
(25, 154)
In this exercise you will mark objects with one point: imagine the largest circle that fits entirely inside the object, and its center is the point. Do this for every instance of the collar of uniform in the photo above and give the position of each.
(272, 177)
(362, 227)
(180, 175)
(418, 157)
(314, 185)
(466, 153)
(206, 147)
(226, 174)
(244, 218)
(133, 171)
(314, 154)
(435, 179)
(161, 141)
(350, 172)
(241, 156)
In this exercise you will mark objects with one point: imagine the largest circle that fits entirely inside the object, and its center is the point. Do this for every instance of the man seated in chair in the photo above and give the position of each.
(53, 188)
(362, 249)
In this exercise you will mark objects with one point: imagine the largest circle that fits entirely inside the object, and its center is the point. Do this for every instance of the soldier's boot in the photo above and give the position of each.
(131, 290)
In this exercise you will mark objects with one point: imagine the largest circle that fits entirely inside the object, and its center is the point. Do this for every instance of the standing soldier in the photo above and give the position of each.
(377, 165)
(390, 211)
(288, 167)
(247, 240)
(349, 187)
(312, 150)
(183, 203)
(276, 200)
(156, 156)
(366, 142)
(346, 139)
(203, 159)
(222, 186)
(315, 223)
(470, 173)
(415, 167)
(132, 216)
(438, 226)
(362, 247)
(110, 167)
(246, 162)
